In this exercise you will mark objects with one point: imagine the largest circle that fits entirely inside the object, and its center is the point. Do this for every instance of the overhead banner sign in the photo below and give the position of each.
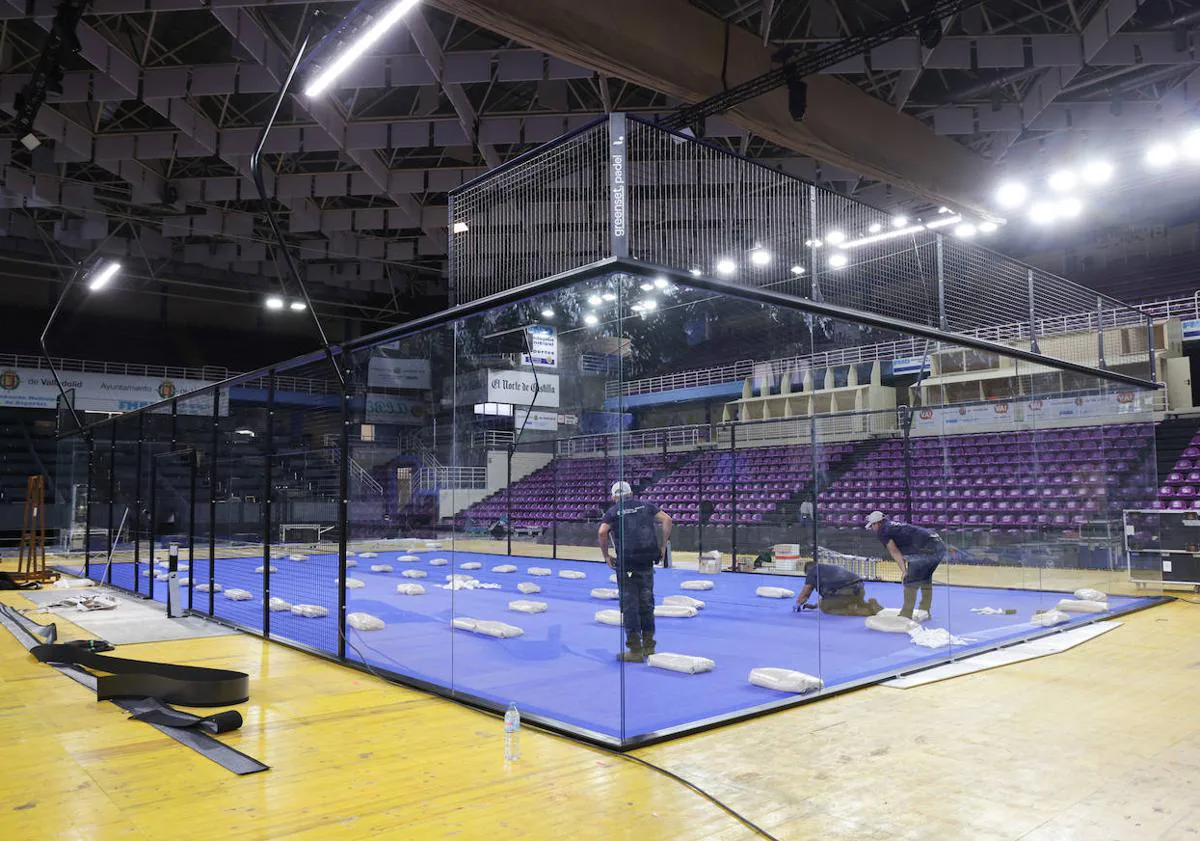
(399, 411)
(543, 346)
(385, 371)
(1191, 330)
(33, 388)
(910, 365)
(518, 388)
(1026, 414)
(533, 419)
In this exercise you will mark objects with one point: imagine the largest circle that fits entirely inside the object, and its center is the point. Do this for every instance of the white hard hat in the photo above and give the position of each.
(874, 517)
(620, 489)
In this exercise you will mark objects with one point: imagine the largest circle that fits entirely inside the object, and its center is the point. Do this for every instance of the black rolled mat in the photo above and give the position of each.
(191, 686)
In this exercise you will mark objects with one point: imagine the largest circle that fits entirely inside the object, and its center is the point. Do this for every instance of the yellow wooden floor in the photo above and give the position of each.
(1098, 744)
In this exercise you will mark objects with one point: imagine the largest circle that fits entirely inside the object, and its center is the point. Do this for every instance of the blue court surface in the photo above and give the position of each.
(564, 667)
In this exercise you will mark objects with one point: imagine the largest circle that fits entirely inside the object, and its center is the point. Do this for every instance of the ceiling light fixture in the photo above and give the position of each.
(1011, 194)
(760, 257)
(274, 303)
(726, 266)
(839, 261)
(355, 50)
(835, 237)
(104, 276)
(1062, 181)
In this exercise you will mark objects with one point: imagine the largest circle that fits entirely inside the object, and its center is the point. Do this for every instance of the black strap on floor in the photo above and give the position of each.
(191, 686)
(184, 728)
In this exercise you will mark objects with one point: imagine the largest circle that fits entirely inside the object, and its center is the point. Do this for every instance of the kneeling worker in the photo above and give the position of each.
(633, 524)
(841, 592)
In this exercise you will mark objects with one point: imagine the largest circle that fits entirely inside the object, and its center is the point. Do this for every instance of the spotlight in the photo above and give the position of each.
(726, 266)
(610, 296)
(987, 227)
(943, 210)
(759, 257)
(296, 306)
(104, 276)
(661, 283)
(839, 261)
(1043, 213)
(1070, 208)
(460, 227)
(696, 273)
(274, 303)
(797, 270)
(548, 313)
(835, 237)
(966, 230)
(875, 228)
(1191, 145)
(590, 319)
(1097, 172)
(361, 44)
(1062, 181)
(647, 287)
(899, 221)
(595, 300)
(247, 432)
(1011, 194)
(649, 305)
(1161, 155)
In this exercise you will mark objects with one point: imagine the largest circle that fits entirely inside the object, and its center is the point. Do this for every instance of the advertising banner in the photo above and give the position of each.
(385, 371)
(34, 388)
(399, 411)
(517, 387)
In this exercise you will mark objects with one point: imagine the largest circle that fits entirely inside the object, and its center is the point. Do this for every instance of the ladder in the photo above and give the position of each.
(31, 562)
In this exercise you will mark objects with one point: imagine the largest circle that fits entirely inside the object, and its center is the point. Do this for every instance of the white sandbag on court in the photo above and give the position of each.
(604, 593)
(696, 585)
(1081, 606)
(785, 680)
(455, 577)
(504, 568)
(918, 615)
(436, 562)
(412, 559)
(936, 638)
(774, 593)
(674, 611)
(364, 622)
(613, 578)
(238, 595)
(608, 617)
(368, 555)
(472, 565)
(433, 546)
(527, 606)
(985, 611)
(410, 589)
(488, 627)
(355, 583)
(297, 557)
(686, 601)
(161, 576)
(203, 588)
(528, 587)
(685, 663)
(890, 624)
(573, 574)
(1050, 618)
(351, 563)
(260, 570)
(1087, 594)
(309, 611)
(277, 604)
(539, 571)
(414, 573)
(381, 567)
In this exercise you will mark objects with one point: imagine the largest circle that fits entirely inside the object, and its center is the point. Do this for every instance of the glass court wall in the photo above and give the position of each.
(431, 508)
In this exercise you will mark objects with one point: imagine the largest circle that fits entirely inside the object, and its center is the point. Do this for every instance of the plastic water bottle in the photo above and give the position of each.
(512, 733)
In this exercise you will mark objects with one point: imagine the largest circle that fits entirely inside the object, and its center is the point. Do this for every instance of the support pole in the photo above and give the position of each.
(343, 514)
(733, 536)
(268, 483)
(212, 503)
(941, 283)
(193, 467)
(87, 514)
(139, 518)
(508, 527)
(112, 492)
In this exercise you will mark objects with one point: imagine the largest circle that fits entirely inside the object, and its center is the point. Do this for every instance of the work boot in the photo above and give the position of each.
(647, 644)
(875, 606)
(634, 654)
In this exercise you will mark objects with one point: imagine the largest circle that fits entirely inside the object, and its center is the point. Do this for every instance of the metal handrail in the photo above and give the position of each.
(1017, 331)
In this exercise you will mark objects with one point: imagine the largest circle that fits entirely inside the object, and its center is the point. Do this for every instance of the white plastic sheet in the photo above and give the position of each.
(918, 615)
(936, 638)
(487, 627)
(688, 664)
(785, 680)
(1050, 618)
(364, 622)
(309, 611)
(527, 606)
(775, 593)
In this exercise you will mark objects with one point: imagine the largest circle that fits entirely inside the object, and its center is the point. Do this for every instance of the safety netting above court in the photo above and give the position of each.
(628, 189)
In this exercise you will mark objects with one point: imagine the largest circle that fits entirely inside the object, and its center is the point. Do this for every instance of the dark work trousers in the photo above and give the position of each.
(849, 601)
(637, 604)
(919, 578)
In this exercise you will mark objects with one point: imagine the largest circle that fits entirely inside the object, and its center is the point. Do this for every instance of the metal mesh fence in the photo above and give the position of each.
(544, 214)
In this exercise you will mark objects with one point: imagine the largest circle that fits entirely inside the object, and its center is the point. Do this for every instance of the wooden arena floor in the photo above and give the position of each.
(1101, 743)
